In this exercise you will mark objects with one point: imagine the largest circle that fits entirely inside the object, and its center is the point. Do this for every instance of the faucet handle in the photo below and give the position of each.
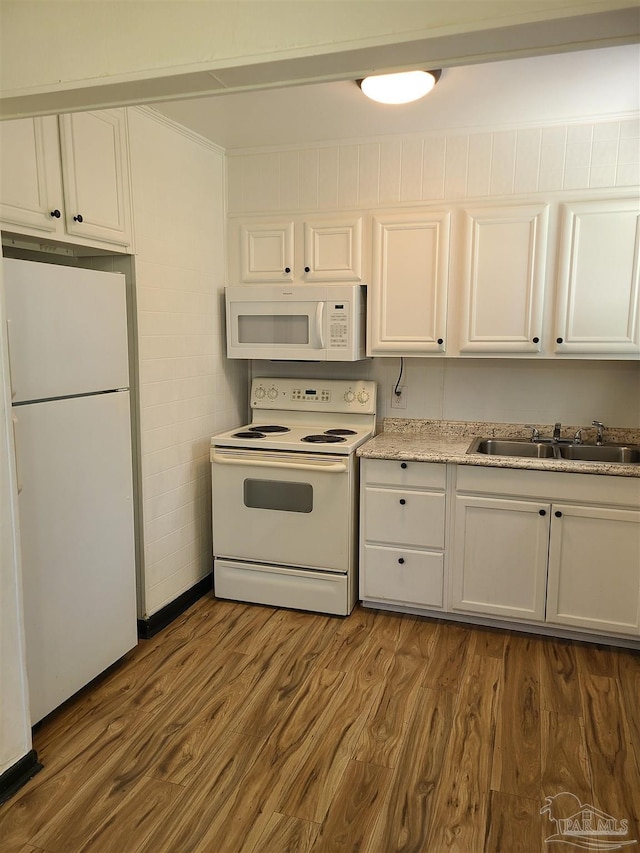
(535, 432)
(600, 433)
(577, 438)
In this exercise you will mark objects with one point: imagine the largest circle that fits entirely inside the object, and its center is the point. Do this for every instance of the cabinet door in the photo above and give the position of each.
(598, 310)
(500, 557)
(31, 188)
(266, 252)
(594, 569)
(505, 253)
(408, 298)
(95, 175)
(333, 250)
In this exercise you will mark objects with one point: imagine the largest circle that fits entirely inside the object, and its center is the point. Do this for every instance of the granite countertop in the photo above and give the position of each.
(448, 441)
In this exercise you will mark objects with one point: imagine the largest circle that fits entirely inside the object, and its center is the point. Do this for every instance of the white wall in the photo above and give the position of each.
(499, 390)
(15, 731)
(188, 390)
(431, 167)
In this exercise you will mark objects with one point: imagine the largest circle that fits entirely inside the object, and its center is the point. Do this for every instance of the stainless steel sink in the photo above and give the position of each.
(511, 447)
(628, 454)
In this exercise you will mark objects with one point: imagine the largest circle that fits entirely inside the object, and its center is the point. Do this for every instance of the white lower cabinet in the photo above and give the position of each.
(553, 549)
(500, 556)
(535, 546)
(403, 532)
(594, 568)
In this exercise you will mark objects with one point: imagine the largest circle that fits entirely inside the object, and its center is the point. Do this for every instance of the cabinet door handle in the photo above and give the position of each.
(78, 218)
(403, 464)
(287, 269)
(307, 269)
(542, 512)
(56, 213)
(402, 501)
(440, 341)
(558, 514)
(401, 560)
(559, 340)
(536, 340)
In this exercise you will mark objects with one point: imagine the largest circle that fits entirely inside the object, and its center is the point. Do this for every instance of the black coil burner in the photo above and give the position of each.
(269, 428)
(339, 432)
(248, 434)
(323, 439)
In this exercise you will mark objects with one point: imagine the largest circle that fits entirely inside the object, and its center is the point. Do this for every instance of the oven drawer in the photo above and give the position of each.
(280, 586)
(404, 517)
(418, 579)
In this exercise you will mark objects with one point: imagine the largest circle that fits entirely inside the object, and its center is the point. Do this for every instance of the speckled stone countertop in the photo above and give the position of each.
(448, 441)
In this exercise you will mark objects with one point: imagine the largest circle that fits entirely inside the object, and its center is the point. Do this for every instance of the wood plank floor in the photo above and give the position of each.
(245, 729)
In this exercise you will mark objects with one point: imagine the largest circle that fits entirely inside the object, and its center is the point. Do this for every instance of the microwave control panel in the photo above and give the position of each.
(339, 325)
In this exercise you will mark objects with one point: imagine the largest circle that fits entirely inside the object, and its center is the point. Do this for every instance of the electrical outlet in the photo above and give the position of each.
(399, 401)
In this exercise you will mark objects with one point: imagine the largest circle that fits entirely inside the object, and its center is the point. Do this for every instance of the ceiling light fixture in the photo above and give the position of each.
(400, 88)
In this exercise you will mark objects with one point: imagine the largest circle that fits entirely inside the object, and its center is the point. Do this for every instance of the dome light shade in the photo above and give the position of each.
(400, 88)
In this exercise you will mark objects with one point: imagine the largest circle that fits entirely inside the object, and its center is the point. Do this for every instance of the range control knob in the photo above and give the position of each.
(349, 396)
(363, 396)
(272, 393)
(259, 393)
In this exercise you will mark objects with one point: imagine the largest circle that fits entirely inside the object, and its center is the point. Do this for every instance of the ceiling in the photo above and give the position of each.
(541, 89)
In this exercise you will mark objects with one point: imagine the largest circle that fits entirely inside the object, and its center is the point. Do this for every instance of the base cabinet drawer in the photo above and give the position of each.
(402, 575)
(397, 516)
(392, 472)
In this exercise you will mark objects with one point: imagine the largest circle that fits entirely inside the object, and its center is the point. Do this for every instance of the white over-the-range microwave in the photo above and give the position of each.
(298, 323)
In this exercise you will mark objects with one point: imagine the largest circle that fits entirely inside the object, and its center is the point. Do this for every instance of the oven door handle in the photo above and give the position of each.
(321, 467)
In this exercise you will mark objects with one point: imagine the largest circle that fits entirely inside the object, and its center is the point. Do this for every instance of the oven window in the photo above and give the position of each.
(273, 329)
(278, 495)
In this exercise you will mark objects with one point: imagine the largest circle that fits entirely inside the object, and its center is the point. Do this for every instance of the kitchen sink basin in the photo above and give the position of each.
(628, 454)
(511, 447)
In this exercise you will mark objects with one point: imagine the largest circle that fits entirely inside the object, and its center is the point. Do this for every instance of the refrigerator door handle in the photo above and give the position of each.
(14, 422)
(12, 389)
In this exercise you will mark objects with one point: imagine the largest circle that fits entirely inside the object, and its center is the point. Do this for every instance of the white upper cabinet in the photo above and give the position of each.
(67, 177)
(598, 270)
(266, 252)
(408, 294)
(31, 190)
(297, 250)
(503, 279)
(95, 175)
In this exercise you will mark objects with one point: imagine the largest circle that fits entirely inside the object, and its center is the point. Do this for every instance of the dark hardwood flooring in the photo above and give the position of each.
(243, 729)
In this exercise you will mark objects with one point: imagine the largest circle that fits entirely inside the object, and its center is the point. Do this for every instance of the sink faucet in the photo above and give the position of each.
(556, 431)
(600, 433)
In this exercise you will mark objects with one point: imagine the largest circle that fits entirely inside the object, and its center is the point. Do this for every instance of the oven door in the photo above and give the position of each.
(290, 509)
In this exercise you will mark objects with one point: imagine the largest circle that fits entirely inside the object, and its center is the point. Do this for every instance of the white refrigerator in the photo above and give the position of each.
(68, 357)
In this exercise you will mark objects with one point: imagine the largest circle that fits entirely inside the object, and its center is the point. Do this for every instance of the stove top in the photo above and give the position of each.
(312, 416)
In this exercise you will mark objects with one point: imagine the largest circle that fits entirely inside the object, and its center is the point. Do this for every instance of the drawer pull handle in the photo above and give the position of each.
(558, 514)
(401, 560)
(403, 464)
(542, 512)
(402, 501)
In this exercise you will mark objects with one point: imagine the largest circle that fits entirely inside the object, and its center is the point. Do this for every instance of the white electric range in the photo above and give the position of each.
(285, 495)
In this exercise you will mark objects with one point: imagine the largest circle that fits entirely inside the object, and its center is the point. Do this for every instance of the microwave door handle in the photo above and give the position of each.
(319, 336)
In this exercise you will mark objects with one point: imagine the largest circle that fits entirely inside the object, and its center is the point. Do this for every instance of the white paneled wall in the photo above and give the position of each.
(426, 167)
(188, 390)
